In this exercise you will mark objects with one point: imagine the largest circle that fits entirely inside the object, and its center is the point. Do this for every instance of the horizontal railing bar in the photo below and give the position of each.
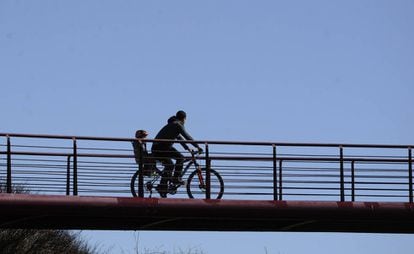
(251, 143)
(230, 158)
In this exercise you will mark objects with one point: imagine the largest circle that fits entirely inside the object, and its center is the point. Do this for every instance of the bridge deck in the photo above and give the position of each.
(121, 213)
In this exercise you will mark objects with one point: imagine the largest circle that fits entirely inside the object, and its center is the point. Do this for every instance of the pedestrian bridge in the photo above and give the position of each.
(79, 182)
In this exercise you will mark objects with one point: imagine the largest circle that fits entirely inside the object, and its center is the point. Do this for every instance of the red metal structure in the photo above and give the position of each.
(83, 182)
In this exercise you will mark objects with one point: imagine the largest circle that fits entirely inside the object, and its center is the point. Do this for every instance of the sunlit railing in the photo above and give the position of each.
(103, 166)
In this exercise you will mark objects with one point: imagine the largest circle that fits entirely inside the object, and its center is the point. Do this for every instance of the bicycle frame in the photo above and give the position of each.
(198, 168)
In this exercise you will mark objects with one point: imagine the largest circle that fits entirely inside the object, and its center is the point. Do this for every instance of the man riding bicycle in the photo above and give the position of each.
(165, 152)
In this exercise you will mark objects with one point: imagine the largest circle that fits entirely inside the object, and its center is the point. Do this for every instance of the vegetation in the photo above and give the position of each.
(42, 242)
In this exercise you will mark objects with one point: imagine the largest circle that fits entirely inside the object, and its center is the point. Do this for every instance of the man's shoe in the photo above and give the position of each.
(162, 190)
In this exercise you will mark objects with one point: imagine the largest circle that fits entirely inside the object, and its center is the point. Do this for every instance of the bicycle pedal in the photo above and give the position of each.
(149, 186)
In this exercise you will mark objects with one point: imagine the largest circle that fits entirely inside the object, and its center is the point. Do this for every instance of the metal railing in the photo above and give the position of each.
(80, 165)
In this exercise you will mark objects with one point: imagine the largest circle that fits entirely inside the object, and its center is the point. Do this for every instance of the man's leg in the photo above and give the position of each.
(162, 188)
(179, 159)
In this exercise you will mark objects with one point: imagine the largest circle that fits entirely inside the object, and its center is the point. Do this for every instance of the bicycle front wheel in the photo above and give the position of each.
(197, 190)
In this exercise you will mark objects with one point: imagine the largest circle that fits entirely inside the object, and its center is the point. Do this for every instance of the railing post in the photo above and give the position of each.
(342, 181)
(410, 174)
(280, 180)
(75, 168)
(208, 172)
(140, 171)
(353, 180)
(68, 176)
(9, 171)
(274, 173)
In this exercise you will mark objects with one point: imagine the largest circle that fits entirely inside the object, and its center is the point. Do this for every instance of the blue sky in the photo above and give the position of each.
(291, 71)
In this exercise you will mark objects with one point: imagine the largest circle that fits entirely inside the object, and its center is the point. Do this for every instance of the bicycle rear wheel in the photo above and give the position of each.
(134, 184)
(148, 185)
(196, 190)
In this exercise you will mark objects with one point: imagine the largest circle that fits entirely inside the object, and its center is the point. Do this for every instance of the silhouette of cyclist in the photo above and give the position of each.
(165, 152)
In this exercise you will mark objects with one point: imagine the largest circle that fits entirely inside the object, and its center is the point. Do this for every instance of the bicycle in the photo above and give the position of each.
(195, 186)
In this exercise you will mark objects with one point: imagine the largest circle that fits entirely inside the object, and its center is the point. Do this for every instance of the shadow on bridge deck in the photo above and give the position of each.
(120, 213)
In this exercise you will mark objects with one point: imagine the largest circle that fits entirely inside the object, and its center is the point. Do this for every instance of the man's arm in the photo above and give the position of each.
(185, 135)
(184, 145)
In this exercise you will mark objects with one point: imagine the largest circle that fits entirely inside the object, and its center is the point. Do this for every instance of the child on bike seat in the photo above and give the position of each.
(138, 146)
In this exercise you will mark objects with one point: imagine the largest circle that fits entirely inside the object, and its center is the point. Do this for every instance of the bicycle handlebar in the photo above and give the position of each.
(194, 154)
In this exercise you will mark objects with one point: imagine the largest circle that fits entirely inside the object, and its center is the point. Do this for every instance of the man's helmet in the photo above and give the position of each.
(181, 115)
